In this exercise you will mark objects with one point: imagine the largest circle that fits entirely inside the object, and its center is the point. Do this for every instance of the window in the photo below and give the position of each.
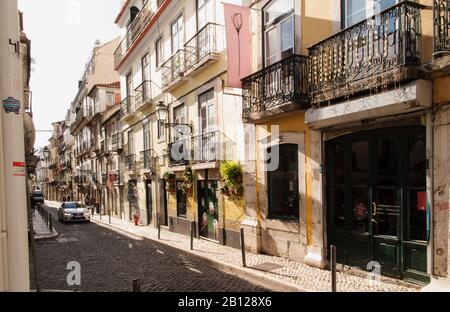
(207, 111)
(177, 31)
(181, 200)
(278, 31)
(110, 98)
(161, 131)
(130, 143)
(282, 185)
(355, 11)
(129, 86)
(147, 136)
(159, 52)
(178, 118)
(205, 13)
(145, 63)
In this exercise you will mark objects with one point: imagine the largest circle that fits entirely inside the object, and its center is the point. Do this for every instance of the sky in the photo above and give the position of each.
(62, 33)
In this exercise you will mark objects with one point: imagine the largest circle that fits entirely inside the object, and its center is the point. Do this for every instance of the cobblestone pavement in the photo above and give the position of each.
(110, 261)
(292, 273)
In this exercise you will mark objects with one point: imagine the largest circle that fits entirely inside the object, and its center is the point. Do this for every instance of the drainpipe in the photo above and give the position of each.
(14, 173)
(430, 188)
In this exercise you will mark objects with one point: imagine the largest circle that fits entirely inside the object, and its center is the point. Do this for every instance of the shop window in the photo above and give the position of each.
(282, 185)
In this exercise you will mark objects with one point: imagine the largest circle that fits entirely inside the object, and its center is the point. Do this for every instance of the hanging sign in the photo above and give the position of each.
(19, 169)
(11, 105)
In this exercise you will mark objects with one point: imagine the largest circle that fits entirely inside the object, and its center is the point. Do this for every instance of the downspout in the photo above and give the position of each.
(3, 229)
(430, 118)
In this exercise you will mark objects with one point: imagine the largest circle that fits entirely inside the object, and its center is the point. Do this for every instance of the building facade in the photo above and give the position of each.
(173, 55)
(96, 92)
(356, 112)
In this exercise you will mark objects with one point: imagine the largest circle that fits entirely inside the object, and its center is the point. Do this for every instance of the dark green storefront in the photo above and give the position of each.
(377, 202)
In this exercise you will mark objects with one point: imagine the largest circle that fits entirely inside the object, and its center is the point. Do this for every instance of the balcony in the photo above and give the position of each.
(179, 152)
(135, 30)
(130, 163)
(104, 178)
(207, 147)
(128, 107)
(79, 119)
(277, 89)
(441, 26)
(375, 53)
(116, 145)
(103, 149)
(144, 95)
(172, 72)
(203, 48)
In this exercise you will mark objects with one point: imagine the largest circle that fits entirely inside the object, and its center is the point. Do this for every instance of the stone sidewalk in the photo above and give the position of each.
(40, 227)
(273, 272)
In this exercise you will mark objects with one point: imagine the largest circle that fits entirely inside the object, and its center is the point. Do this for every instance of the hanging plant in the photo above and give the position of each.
(232, 179)
(170, 182)
(188, 183)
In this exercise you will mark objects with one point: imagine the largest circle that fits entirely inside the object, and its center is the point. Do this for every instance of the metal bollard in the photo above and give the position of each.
(244, 262)
(159, 228)
(109, 212)
(192, 235)
(50, 225)
(136, 285)
(333, 268)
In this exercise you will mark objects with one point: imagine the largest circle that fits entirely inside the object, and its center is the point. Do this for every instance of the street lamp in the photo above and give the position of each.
(162, 113)
(46, 154)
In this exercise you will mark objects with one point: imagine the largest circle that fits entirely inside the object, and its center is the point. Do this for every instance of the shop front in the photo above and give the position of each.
(376, 190)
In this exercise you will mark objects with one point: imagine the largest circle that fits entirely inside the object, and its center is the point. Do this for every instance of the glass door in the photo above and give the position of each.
(387, 204)
(377, 201)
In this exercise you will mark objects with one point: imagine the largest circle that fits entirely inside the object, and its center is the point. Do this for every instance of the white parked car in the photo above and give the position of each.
(73, 212)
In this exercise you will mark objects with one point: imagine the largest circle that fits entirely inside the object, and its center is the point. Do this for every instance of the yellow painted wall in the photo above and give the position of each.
(296, 123)
(316, 22)
(441, 91)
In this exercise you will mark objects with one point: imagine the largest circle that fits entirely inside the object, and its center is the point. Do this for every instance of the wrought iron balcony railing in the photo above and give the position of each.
(80, 116)
(147, 160)
(128, 106)
(358, 57)
(130, 163)
(179, 152)
(207, 147)
(173, 69)
(203, 45)
(141, 20)
(104, 178)
(441, 26)
(143, 94)
(133, 31)
(116, 143)
(282, 83)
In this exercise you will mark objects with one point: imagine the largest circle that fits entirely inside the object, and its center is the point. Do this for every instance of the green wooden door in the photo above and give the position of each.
(376, 182)
(208, 209)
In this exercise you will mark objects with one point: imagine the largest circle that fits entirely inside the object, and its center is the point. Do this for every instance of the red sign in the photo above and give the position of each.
(239, 43)
(19, 169)
(421, 201)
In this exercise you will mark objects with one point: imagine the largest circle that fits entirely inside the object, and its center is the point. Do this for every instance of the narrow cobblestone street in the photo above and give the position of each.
(110, 261)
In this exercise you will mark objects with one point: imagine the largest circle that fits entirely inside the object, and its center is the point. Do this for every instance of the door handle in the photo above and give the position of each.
(375, 208)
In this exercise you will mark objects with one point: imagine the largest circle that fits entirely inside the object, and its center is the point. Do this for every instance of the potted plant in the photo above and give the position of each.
(232, 179)
(188, 183)
(170, 182)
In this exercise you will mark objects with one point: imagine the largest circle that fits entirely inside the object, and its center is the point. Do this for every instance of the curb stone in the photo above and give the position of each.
(254, 277)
